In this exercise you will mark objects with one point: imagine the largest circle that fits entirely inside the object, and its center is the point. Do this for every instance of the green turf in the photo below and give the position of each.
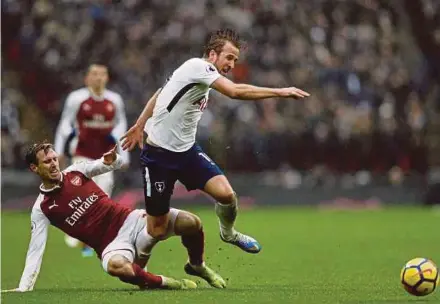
(308, 256)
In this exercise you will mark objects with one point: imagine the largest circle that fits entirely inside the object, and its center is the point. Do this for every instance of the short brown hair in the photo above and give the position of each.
(217, 40)
(32, 151)
(96, 64)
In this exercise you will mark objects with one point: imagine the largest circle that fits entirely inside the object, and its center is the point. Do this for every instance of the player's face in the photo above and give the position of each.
(227, 58)
(48, 166)
(97, 77)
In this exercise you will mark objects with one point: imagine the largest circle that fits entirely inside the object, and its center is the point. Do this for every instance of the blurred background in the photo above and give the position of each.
(370, 133)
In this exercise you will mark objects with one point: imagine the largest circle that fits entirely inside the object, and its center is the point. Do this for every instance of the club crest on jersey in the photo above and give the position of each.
(76, 181)
(109, 107)
(86, 107)
(160, 186)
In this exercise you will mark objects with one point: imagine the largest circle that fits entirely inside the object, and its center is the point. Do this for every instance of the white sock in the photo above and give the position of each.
(226, 215)
(198, 267)
(164, 280)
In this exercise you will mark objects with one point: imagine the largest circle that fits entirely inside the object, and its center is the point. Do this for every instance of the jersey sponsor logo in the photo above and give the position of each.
(53, 205)
(96, 124)
(80, 208)
(160, 186)
(98, 117)
(76, 181)
(203, 103)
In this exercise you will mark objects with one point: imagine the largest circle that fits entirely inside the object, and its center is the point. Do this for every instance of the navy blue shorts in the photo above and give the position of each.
(161, 169)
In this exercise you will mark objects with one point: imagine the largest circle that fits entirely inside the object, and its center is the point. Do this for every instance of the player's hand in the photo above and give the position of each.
(293, 93)
(135, 135)
(13, 290)
(110, 156)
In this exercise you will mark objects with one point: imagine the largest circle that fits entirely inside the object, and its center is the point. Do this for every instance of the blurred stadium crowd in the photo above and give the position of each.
(372, 90)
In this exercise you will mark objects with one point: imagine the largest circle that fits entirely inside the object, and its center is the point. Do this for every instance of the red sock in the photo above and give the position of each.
(195, 244)
(142, 278)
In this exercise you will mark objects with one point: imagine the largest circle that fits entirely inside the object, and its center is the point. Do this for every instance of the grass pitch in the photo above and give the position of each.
(308, 256)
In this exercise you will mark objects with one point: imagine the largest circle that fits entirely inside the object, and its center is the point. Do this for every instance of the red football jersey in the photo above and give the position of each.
(79, 208)
(97, 122)
(82, 210)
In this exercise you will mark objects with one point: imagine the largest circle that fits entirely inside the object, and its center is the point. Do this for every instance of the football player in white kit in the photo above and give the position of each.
(171, 153)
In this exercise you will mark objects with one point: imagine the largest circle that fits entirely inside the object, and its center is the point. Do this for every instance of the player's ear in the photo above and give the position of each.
(212, 55)
(107, 75)
(33, 168)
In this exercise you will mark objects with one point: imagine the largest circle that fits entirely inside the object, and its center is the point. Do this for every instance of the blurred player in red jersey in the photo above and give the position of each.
(71, 201)
(93, 119)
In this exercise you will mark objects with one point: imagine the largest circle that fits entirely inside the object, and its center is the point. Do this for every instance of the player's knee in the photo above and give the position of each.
(196, 222)
(158, 232)
(187, 223)
(227, 197)
(157, 226)
(119, 266)
(221, 190)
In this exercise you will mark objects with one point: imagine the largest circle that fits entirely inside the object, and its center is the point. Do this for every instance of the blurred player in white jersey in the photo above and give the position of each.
(93, 119)
(171, 153)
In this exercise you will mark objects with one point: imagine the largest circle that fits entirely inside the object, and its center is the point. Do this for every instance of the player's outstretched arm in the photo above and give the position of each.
(12, 290)
(247, 91)
(135, 135)
(34, 257)
(108, 162)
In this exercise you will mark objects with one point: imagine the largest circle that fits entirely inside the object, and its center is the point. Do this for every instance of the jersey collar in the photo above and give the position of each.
(96, 97)
(57, 186)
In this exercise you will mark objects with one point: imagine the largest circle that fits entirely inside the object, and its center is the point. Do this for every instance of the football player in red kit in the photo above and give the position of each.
(93, 119)
(71, 201)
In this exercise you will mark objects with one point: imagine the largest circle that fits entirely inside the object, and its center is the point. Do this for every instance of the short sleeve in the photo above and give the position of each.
(202, 71)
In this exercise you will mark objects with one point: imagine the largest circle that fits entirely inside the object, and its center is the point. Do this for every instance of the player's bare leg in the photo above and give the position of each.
(189, 227)
(132, 273)
(157, 226)
(226, 209)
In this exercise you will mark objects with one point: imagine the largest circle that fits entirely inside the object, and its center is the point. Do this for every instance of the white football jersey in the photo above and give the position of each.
(180, 104)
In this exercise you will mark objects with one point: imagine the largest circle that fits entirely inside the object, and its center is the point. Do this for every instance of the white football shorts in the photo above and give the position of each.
(133, 242)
